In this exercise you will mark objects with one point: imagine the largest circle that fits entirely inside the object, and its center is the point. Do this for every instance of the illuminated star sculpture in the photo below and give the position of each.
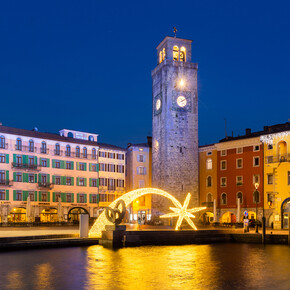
(183, 213)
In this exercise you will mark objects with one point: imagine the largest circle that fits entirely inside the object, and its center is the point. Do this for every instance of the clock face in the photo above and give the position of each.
(158, 104)
(181, 101)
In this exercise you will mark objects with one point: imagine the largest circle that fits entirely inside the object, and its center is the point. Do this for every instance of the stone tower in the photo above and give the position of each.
(175, 124)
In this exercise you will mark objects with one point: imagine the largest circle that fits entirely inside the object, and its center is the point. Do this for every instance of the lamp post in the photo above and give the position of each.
(256, 198)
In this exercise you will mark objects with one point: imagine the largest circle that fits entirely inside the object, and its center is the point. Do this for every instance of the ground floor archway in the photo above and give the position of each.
(252, 215)
(228, 217)
(17, 215)
(49, 215)
(73, 214)
(207, 217)
(285, 213)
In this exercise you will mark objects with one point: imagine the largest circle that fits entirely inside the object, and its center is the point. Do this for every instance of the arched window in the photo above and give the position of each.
(224, 199)
(94, 153)
(209, 181)
(70, 135)
(282, 151)
(2, 142)
(85, 152)
(67, 152)
(208, 163)
(78, 151)
(31, 145)
(91, 138)
(175, 52)
(43, 147)
(160, 56)
(240, 197)
(182, 54)
(57, 149)
(209, 197)
(163, 53)
(18, 144)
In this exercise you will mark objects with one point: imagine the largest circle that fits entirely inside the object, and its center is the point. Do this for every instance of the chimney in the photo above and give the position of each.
(248, 131)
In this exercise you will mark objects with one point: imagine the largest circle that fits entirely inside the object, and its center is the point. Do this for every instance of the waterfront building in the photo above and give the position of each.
(47, 177)
(138, 175)
(208, 180)
(276, 140)
(174, 123)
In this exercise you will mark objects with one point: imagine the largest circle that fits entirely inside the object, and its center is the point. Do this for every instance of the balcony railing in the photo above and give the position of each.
(58, 152)
(5, 182)
(207, 203)
(24, 166)
(277, 159)
(44, 150)
(4, 146)
(45, 185)
(25, 148)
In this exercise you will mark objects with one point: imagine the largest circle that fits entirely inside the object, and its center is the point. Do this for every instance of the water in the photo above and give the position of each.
(218, 266)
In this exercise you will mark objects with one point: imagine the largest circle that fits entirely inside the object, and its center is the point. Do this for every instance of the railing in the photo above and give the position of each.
(207, 203)
(4, 146)
(24, 166)
(5, 182)
(44, 151)
(277, 159)
(25, 148)
(45, 185)
(58, 152)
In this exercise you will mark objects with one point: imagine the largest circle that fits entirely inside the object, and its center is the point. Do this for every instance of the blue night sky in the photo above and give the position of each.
(86, 65)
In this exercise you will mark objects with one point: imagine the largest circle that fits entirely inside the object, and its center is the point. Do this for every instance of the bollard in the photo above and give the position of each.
(84, 225)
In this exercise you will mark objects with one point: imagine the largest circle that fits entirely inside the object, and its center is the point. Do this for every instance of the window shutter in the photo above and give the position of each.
(25, 195)
(53, 163)
(53, 179)
(85, 198)
(98, 167)
(90, 198)
(14, 194)
(72, 197)
(63, 180)
(85, 166)
(48, 162)
(14, 158)
(7, 194)
(98, 198)
(72, 181)
(78, 181)
(48, 196)
(98, 182)
(78, 166)
(39, 177)
(53, 196)
(14, 176)
(25, 159)
(78, 198)
(35, 160)
(90, 167)
(35, 195)
(72, 165)
(62, 164)
(90, 182)
(39, 196)
(7, 174)
(7, 158)
(85, 182)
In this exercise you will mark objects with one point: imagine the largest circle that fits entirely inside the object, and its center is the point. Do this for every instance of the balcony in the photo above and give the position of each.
(25, 166)
(25, 148)
(45, 185)
(207, 203)
(4, 146)
(44, 151)
(5, 182)
(58, 153)
(277, 159)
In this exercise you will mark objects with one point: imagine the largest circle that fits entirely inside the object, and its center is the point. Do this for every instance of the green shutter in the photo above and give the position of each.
(48, 196)
(14, 194)
(85, 198)
(39, 196)
(78, 166)
(25, 195)
(72, 165)
(85, 166)
(63, 180)
(90, 198)
(35, 160)
(14, 176)
(78, 198)
(98, 198)
(25, 177)
(7, 174)
(48, 178)
(63, 197)
(35, 177)
(90, 167)
(25, 159)
(98, 182)
(53, 179)
(85, 182)
(35, 195)
(7, 194)
(53, 163)
(72, 197)
(48, 162)
(78, 181)
(90, 182)
(72, 181)
(7, 158)
(14, 158)
(98, 166)
(39, 177)
(62, 164)
(53, 196)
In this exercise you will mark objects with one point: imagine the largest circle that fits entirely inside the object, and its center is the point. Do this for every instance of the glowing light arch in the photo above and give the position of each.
(101, 222)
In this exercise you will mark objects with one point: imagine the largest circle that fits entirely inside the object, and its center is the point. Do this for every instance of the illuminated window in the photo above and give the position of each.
(239, 150)
(160, 56)
(209, 163)
(239, 163)
(270, 178)
(223, 181)
(163, 53)
(223, 152)
(239, 180)
(256, 178)
(224, 199)
(175, 52)
(240, 196)
(182, 53)
(223, 164)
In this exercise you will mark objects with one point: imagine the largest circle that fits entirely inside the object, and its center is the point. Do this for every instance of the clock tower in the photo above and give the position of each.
(175, 124)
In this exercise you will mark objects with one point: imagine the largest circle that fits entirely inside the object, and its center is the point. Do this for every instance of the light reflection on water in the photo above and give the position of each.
(219, 266)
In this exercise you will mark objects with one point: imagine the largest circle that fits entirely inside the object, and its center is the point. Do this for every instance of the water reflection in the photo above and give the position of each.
(220, 266)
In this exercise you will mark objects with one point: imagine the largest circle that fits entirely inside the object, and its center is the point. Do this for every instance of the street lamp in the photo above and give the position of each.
(256, 198)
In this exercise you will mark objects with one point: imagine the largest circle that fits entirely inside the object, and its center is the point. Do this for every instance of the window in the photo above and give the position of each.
(85, 152)
(57, 196)
(31, 145)
(209, 153)
(208, 163)
(269, 159)
(256, 147)
(239, 150)
(18, 177)
(57, 180)
(256, 178)
(141, 170)
(111, 155)
(223, 181)
(256, 161)
(94, 182)
(68, 165)
(224, 199)
(239, 180)
(224, 153)
(68, 151)
(120, 183)
(111, 184)
(182, 53)
(82, 198)
(120, 168)
(82, 166)
(102, 167)
(103, 198)
(2, 142)
(78, 151)
(68, 181)
(103, 181)
(141, 183)
(93, 198)
(31, 195)
(270, 146)
(94, 167)
(68, 197)
(57, 164)
(43, 179)
(120, 156)
(223, 164)
(140, 158)
(240, 196)
(18, 195)
(2, 194)
(2, 158)
(175, 52)
(111, 168)
(288, 177)
(209, 197)
(239, 163)
(18, 144)
(57, 149)
(81, 181)
(31, 178)
(209, 181)
(94, 153)
(18, 160)
(44, 196)
(43, 162)
(111, 197)
(43, 148)
(269, 178)
(102, 154)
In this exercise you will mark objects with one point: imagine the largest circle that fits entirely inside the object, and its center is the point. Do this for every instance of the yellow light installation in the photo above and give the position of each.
(183, 213)
(102, 221)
